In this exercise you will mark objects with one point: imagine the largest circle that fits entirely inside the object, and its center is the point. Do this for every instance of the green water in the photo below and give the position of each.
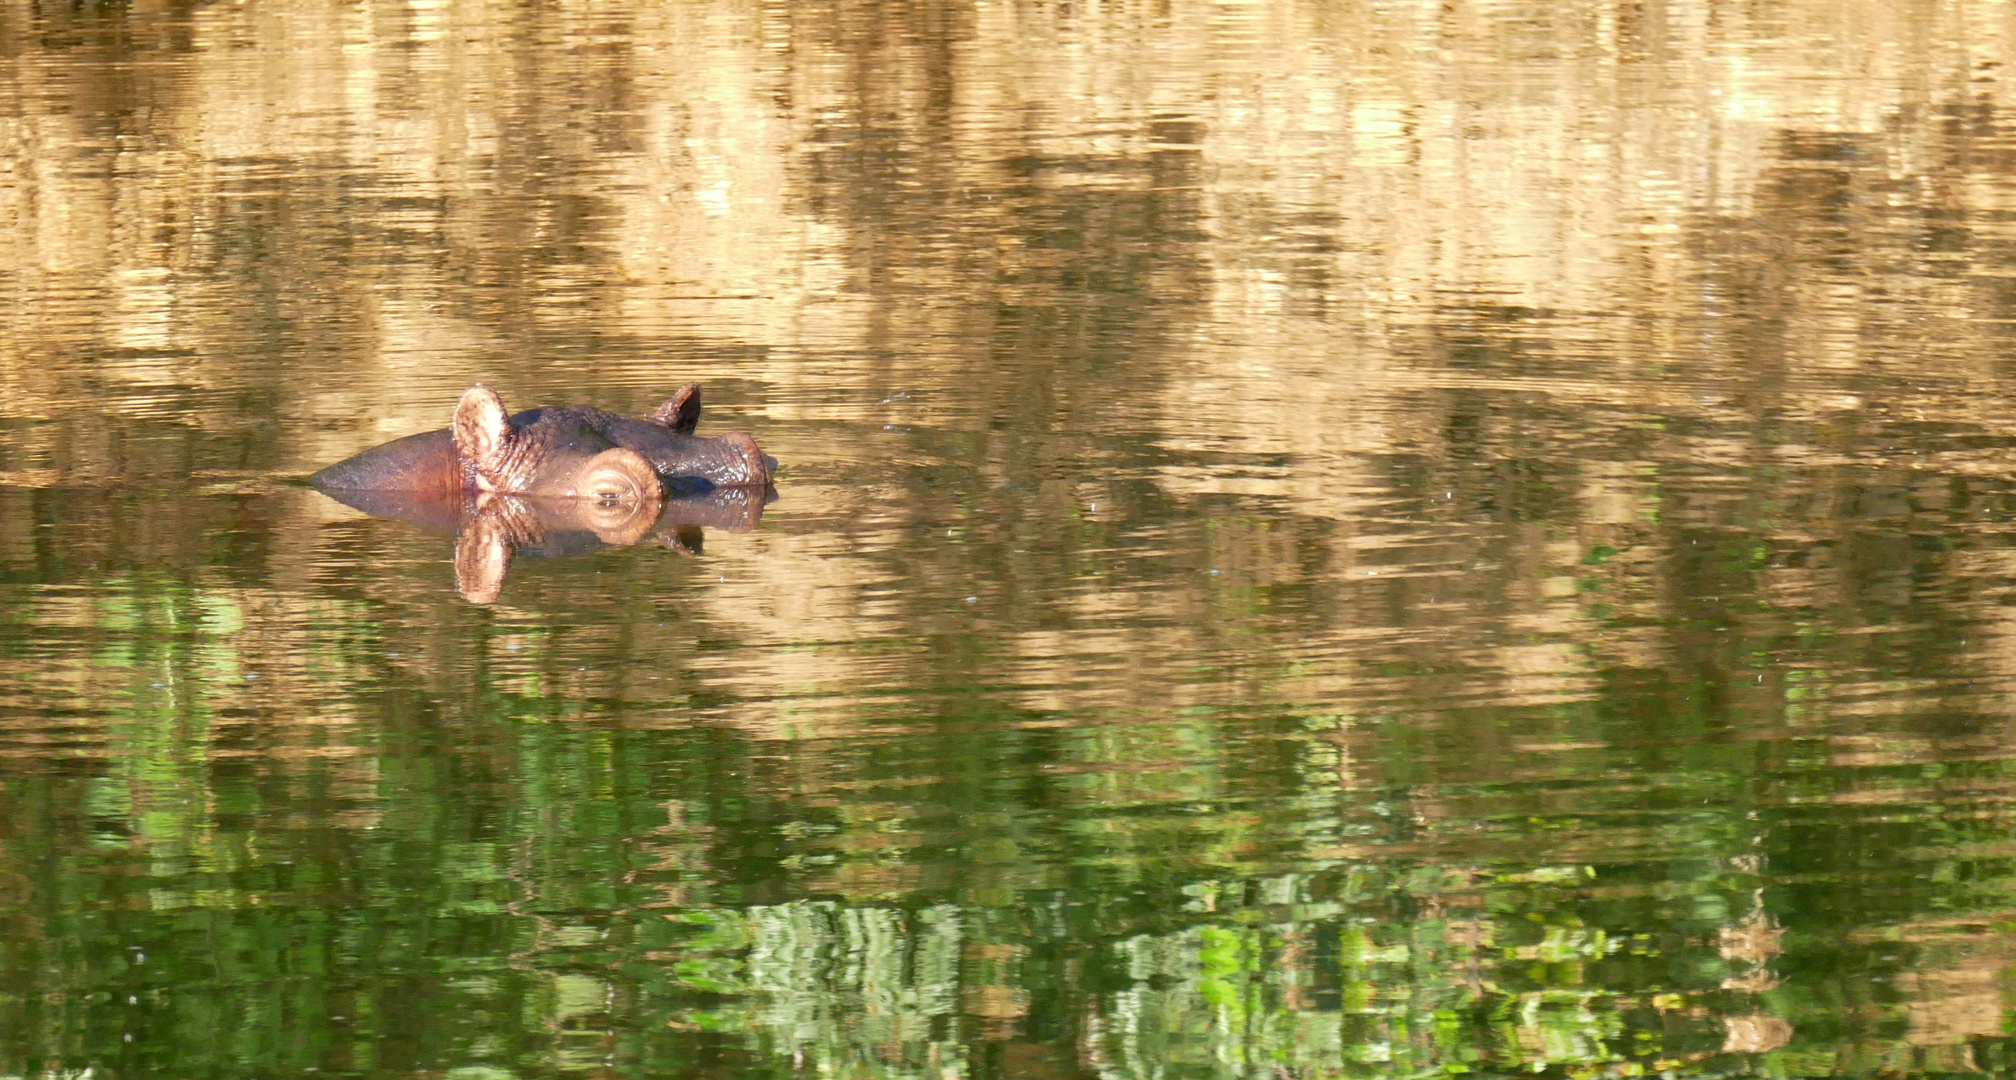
(1311, 541)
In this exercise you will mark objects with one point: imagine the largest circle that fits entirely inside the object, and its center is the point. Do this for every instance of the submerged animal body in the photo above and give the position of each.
(569, 452)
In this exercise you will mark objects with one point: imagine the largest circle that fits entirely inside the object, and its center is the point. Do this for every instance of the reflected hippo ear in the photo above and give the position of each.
(681, 412)
(483, 553)
(686, 540)
(482, 430)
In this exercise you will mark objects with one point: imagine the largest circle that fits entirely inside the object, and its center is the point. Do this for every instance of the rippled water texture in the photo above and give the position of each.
(1369, 540)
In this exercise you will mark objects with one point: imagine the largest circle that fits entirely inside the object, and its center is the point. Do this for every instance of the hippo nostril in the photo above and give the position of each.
(754, 466)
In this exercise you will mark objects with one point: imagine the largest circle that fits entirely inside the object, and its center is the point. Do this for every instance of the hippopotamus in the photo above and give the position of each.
(557, 481)
(569, 452)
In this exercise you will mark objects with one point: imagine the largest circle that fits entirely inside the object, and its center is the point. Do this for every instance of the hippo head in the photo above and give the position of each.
(548, 453)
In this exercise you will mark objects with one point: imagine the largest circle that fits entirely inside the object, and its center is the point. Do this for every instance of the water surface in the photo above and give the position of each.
(1372, 540)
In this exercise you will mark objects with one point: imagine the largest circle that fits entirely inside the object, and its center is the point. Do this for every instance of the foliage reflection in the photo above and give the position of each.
(1365, 540)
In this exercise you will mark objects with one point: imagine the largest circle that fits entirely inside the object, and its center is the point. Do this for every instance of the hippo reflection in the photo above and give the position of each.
(490, 530)
(557, 481)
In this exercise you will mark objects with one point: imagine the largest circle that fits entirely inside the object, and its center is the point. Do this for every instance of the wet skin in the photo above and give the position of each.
(564, 452)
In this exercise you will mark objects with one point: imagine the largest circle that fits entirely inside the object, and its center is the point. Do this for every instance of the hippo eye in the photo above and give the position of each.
(619, 475)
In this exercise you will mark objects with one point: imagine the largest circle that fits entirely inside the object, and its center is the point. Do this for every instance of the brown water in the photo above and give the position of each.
(1363, 540)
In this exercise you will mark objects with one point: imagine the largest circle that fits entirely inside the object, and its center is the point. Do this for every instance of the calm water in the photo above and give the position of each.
(1374, 540)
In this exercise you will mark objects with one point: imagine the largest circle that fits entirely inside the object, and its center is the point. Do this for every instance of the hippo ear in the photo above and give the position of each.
(482, 430)
(681, 412)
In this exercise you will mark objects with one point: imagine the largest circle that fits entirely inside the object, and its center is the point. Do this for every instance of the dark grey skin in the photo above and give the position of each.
(569, 452)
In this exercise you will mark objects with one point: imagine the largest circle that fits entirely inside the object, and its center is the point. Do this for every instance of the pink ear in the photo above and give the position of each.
(482, 430)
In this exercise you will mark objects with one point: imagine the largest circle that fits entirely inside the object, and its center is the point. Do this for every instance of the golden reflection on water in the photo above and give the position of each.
(1127, 361)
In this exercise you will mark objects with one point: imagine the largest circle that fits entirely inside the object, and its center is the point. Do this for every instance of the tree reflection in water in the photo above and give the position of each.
(1357, 539)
